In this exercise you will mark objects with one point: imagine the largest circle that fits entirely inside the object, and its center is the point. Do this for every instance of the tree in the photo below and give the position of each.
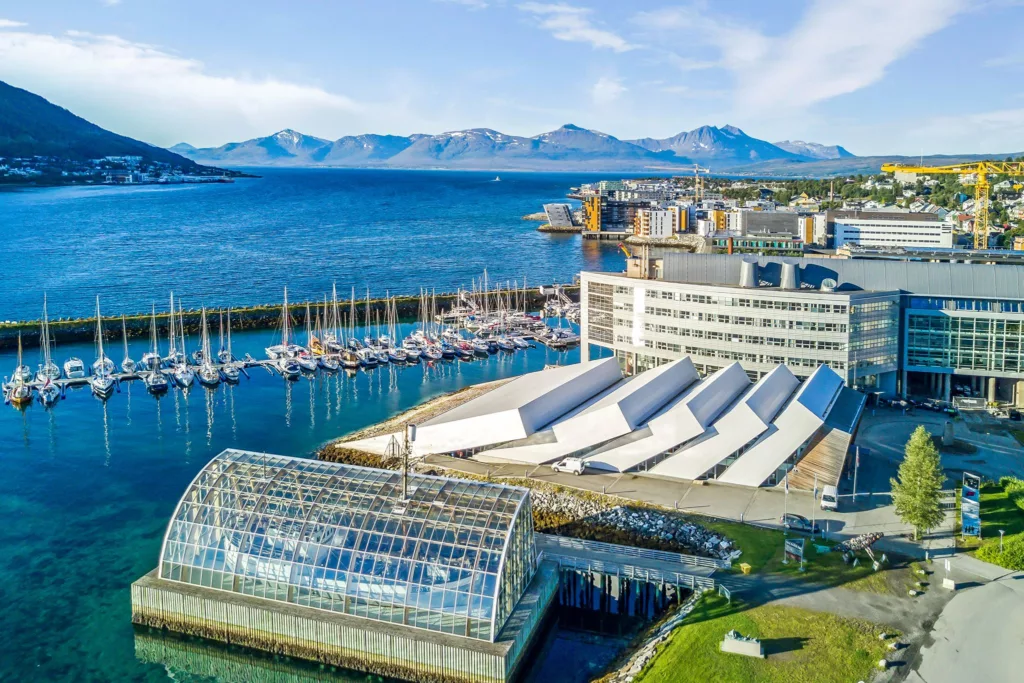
(916, 491)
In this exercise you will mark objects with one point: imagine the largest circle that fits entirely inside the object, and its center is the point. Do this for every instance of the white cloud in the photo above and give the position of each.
(606, 90)
(834, 49)
(573, 24)
(145, 92)
(8, 23)
(978, 133)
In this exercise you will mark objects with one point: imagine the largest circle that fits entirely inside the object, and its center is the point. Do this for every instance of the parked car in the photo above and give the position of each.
(1015, 415)
(798, 523)
(570, 466)
(829, 498)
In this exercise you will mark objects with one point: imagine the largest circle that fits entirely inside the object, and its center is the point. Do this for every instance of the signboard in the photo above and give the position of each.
(795, 548)
(970, 505)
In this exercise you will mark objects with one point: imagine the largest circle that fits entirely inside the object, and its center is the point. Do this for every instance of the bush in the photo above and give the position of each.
(1012, 556)
(1014, 489)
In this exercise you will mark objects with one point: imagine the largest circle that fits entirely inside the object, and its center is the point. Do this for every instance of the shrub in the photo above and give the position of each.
(1012, 556)
(1014, 489)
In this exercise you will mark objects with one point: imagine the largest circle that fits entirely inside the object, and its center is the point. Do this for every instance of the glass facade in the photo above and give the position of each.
(453, 557)
(965, 342)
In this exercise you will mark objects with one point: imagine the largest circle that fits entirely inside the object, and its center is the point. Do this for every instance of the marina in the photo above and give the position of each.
(482, 324)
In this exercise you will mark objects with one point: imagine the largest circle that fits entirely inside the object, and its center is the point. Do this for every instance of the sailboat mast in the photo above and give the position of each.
(124, 335)
(171, 334)
(229, 334)
(99, 330)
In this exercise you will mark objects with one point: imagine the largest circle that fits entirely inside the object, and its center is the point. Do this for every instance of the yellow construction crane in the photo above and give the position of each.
(981, 170)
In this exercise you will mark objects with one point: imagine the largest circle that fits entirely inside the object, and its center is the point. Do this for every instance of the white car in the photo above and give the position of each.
(829, 498)
(570, 465)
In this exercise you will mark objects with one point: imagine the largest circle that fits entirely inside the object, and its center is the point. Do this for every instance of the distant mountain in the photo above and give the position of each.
(717, 147)
(477, 148)
(33, 126)
(814, 150)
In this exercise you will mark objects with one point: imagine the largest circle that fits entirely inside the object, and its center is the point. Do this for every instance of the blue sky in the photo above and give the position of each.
(877, 76)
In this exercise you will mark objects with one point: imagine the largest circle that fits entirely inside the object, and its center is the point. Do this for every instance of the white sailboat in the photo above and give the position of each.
(183, 373)
(101, 381)
(303, 357)
(151, 359)
(231, 368)
(209, 375)
(127, 365)
(154, 380)
(174, 356)
(48, 370)
(278, 351)
(19, 393)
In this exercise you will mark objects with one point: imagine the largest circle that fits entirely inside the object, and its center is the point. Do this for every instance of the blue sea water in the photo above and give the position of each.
(86, 488)
(241, 243)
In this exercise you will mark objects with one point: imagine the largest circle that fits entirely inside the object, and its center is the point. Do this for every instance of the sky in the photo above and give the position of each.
(876, 76)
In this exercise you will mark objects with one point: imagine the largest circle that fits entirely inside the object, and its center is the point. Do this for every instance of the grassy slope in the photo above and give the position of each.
(998, 511)
(802, 647)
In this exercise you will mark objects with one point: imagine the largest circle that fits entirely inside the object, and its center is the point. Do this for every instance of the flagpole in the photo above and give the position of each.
(814, 503)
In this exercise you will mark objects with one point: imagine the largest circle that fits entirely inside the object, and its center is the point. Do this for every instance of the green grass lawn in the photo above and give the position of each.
(1019, 435)
(802, 646)
(763, 551)
(998, 511)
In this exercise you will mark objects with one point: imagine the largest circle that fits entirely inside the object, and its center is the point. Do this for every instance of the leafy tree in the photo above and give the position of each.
(916, 490)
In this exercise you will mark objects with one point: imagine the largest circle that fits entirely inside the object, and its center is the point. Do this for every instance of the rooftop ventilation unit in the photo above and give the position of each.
(748, 273)
(790, 276)
(828, 285)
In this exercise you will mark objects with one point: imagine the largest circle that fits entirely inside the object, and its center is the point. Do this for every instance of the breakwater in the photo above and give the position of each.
(263, 316)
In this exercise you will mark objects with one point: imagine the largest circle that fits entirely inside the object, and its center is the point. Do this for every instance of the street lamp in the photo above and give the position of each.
(1001, 532)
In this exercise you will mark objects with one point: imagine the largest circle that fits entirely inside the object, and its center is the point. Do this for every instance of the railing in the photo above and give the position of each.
(691, 581)
(582, 545)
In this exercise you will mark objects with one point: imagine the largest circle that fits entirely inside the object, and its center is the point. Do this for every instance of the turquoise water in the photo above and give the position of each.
(87, 487)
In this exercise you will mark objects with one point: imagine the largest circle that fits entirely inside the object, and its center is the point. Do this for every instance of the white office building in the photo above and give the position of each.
(913, 231)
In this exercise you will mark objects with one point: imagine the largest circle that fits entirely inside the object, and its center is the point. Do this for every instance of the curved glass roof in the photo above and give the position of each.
(454, 557)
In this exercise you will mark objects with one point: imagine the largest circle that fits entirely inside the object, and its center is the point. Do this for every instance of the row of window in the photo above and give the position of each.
(766, 304)
(746, 339)
(746, 321)
(739, 356)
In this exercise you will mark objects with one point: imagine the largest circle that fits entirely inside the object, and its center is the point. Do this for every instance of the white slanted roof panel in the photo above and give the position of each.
(797, 422)
(684, 419)
(516, 410)
(621, 411)
(743, 422)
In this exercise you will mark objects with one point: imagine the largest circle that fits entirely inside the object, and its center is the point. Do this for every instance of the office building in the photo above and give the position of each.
(897, 327)
(886, 229)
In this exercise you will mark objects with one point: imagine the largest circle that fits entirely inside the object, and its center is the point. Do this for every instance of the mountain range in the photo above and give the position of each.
(33, 126)
(568, 147)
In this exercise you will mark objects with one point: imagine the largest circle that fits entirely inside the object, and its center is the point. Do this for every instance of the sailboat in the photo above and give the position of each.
(174, 356)
(230, 369)
(151, 359)
(18, 392)
(303, 357)
(278, 351)
(101, 381)
(209, 375)
(154, 380)
(127, 365)
(182, 372)
(48, 370)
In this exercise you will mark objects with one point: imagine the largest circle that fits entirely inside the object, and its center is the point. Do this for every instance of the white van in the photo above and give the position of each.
(829, 498)
(570, 465)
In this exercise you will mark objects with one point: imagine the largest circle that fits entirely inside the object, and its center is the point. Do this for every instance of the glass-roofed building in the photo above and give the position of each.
(445, 555)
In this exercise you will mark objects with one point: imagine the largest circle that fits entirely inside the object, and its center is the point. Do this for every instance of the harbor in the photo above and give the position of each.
(476, 326)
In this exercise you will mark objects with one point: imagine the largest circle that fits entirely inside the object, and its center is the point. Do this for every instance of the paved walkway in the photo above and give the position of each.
(979, 636)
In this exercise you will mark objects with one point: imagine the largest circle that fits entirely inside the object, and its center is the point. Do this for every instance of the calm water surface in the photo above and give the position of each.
(87, 487)
(241, 243)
